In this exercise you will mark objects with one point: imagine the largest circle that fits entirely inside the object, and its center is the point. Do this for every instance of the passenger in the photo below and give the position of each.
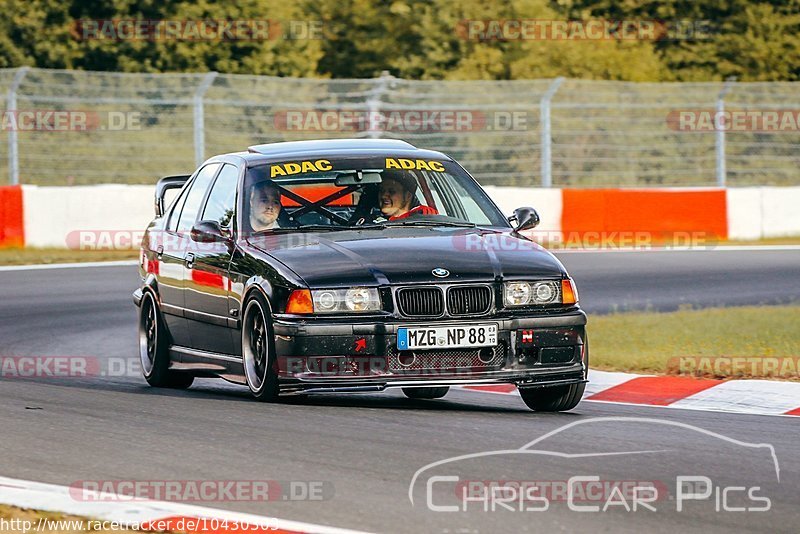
(265, 206)
(397, 198)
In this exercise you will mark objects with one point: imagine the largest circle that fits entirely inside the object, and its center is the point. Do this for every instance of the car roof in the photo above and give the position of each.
(270, 152)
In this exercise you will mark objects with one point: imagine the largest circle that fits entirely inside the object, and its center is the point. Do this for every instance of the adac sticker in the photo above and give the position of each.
(414, 164)
(286, 169)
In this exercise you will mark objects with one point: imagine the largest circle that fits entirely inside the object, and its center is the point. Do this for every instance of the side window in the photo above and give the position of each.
(453, 200)
(194, 197)
(176, 211)
(474, 212)
(222, 198)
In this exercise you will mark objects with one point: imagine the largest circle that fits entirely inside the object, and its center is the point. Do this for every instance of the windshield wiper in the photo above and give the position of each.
(366, 227)
(434, 223)
(302, 228)
(325, 228)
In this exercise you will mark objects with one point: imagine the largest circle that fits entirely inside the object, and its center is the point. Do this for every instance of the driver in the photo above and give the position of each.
(265, 206)
(397, 197)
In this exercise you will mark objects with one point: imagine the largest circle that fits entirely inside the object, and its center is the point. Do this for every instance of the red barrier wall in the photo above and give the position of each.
(664, 215)
(12, 232)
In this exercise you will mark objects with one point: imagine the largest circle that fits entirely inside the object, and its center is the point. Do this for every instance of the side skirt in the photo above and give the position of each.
(207, 364)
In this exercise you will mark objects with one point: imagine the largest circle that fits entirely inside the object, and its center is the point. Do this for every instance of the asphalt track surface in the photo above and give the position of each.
(366, 449)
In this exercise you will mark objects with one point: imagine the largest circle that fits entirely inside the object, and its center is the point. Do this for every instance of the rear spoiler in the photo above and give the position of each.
(164, 185)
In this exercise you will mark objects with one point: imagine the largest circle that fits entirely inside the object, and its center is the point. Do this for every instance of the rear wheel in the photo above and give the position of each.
(426, 393)
(154, 348)
(258, 350)
(553, 399)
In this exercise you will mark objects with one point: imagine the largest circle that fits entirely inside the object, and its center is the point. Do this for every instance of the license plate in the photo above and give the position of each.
(446, 337)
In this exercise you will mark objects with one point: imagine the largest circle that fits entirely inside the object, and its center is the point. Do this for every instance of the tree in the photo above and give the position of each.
(419, 39)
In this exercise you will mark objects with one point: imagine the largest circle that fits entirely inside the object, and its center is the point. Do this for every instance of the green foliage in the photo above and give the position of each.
(645, 342)
(748, 39)
(417, 39)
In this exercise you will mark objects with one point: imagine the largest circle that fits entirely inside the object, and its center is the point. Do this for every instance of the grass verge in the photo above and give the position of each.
(38, 256)
(746, 342)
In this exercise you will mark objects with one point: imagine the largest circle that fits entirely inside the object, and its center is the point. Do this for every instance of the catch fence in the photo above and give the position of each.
(76, 127)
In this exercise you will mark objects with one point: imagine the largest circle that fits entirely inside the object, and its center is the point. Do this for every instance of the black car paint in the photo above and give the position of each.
(204, 320)
(407, 255)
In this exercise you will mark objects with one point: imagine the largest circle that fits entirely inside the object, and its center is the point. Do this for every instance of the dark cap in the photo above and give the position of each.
(264, 184)
(405, 179)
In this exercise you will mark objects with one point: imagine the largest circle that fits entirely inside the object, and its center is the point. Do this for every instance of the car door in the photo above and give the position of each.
(207, 283)
(172, 253)
(169, 254)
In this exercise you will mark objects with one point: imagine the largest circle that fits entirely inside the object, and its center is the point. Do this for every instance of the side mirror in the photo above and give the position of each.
(208, 232)
(526, 218)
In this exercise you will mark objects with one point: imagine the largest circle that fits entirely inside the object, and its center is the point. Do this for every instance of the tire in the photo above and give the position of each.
(258, 350)
(426, 393)
(553, 399)
(154, 348)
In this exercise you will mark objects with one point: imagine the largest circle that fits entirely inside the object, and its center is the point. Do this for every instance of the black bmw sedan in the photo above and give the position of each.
(345, 266)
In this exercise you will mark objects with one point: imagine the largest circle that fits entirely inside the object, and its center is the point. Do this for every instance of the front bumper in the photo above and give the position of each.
(337, 357)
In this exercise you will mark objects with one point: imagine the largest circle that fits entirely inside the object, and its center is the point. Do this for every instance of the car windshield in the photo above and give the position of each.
(326, 193)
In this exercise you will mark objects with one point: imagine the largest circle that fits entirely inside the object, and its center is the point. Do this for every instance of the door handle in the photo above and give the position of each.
(190, 260)
(160, 251)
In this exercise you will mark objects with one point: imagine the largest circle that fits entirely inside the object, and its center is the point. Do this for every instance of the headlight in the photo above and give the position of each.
(362, 299)
(517, 293)
(532, 293)
(355, 299)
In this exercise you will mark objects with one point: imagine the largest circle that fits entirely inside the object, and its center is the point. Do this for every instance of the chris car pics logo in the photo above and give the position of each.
(447, 487)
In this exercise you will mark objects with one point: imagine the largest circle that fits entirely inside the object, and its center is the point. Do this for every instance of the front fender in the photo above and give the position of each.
(261, 284)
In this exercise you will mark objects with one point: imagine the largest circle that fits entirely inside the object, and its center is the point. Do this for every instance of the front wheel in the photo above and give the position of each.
(258, 350)
(154, 349)
(553, 399)
(426, 393)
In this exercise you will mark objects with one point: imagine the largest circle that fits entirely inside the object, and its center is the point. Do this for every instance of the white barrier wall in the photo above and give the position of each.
(781, 211)
(54, 215)
(546, 201)
(744, 213)
(761, 212)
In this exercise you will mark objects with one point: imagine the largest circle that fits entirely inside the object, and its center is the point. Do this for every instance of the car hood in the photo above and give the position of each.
(408, 255)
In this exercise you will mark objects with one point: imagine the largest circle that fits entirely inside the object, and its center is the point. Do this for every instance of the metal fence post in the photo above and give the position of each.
(546, 141)
(374, 103)
(199, 118)
(13, 140)
(720, 134)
